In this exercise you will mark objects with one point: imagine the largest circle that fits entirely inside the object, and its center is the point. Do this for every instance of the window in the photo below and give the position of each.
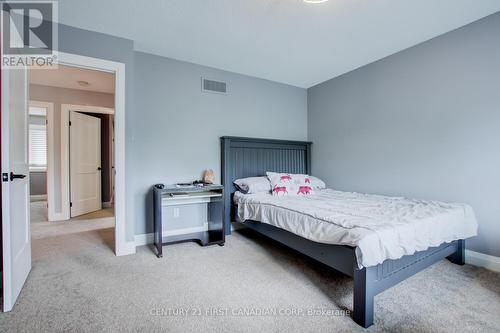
(37, 139)
(38, 147)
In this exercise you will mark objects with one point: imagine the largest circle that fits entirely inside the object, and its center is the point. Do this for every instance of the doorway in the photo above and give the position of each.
(16, 237)
(83, 144)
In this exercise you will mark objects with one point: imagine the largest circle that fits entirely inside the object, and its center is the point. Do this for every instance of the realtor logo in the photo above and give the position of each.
(29, 34)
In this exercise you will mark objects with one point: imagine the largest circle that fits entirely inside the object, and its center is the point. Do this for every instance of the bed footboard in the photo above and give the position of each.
(371, 281)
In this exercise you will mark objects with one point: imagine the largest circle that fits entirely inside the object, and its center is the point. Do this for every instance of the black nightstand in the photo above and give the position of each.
(212, 195)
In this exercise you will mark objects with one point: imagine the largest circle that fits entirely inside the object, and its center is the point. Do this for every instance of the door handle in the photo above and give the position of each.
(16, 176)
(99, 168)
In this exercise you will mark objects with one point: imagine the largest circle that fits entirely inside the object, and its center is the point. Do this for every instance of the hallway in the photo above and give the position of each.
(41, 228)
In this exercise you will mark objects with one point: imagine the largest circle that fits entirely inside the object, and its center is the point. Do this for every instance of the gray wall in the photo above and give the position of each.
(38, 182)
(60, 96)
(422, 123)
(177, 127)
(169, 96)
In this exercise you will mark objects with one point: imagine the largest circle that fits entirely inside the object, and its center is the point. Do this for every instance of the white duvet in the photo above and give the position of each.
(380, 227)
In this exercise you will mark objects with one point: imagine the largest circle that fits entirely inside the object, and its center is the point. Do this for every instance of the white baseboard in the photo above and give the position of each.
(145, 239)
(38, 197)
(482, 260)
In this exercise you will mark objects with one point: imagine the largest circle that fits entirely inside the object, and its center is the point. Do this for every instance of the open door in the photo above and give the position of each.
(15, 185)
(85, 163)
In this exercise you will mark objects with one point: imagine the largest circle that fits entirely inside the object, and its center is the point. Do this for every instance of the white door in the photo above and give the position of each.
(85, 163)
(15, 185)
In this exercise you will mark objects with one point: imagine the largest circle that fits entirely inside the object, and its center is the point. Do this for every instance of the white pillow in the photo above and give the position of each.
(289, 184)
(317, 183)
(253, 185)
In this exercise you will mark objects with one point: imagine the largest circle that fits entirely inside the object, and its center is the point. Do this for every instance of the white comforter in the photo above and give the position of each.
(379, 227)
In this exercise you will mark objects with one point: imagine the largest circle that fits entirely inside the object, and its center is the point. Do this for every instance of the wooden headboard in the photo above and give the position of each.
(252, 157)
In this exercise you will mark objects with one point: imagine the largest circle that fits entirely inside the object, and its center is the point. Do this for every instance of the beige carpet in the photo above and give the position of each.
(41, 228)
(78, 285)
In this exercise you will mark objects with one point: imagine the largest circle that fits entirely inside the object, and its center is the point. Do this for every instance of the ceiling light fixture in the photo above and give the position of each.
(83, 83)
(315, 1)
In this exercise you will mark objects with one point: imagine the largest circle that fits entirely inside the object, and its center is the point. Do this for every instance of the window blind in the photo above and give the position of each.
(38, 146)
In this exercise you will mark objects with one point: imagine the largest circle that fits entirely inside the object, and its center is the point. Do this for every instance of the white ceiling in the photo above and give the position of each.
(287, 41)
(68, 77)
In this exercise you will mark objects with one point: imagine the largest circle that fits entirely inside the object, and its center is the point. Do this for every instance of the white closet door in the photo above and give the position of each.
(85, 163)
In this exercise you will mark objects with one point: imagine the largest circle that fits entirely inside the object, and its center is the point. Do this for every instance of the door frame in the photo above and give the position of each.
(66, 109)
(122, 246)
(50, 172)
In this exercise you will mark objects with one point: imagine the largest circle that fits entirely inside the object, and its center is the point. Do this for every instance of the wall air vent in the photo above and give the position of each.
(213, 86)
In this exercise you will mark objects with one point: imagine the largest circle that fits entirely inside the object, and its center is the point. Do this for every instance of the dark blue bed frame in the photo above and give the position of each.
(249, 157)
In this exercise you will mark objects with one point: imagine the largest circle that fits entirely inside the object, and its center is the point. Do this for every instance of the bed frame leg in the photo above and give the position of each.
(458, 257)
(363, 299)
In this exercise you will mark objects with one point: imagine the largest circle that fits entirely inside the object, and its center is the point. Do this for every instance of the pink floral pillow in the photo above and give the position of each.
(289, 184)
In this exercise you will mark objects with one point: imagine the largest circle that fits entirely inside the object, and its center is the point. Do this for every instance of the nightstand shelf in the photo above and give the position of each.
(204, 238)
(211, 195)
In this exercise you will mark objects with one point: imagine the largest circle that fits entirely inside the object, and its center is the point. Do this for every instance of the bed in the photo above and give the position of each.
(251, 157)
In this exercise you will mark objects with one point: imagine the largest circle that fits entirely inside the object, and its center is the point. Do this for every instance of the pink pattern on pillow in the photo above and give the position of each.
(277, 189)
(304, 190)
(286, 178)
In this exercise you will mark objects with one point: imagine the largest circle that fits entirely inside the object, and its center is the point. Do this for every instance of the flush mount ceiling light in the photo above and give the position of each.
(315, 1)
(83, 83)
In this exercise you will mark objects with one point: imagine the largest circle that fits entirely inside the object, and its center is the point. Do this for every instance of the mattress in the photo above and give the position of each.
(380, 227)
